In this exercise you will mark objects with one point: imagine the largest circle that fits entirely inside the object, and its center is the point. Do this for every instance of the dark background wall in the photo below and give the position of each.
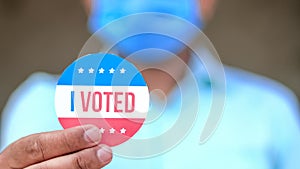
(46, 35)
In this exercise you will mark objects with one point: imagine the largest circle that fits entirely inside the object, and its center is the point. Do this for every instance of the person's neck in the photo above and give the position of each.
(165, 76)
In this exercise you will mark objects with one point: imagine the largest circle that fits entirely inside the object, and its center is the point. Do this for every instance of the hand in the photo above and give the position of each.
(74, 148)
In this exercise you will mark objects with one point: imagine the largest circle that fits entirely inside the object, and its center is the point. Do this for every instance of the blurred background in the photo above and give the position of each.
(47, 35)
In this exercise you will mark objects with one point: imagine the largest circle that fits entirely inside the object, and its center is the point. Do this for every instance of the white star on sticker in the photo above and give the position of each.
(91, 70)
(101, 70)
(123, 131)
(111, 70)
(122, 71)
(112, 131)
(102, 130)
(80, 70)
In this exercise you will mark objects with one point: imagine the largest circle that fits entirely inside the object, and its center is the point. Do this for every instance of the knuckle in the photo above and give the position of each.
(80, 163)
(67, 144)
(35, 148)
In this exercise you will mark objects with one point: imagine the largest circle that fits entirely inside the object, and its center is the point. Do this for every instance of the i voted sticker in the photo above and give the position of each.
(104, 90)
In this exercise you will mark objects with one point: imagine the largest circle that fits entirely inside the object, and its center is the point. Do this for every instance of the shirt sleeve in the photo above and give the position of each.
(285, 131)
(30, 109)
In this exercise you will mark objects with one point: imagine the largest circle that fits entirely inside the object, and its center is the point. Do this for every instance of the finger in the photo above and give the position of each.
(92, 158)
(40, 147)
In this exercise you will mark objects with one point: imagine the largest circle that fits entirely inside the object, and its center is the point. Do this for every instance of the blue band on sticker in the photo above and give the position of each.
(101, 70)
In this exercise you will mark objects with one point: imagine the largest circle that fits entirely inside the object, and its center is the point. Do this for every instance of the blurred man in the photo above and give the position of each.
(259, 128)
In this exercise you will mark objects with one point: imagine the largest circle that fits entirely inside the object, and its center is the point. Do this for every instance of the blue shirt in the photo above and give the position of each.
(259, 127)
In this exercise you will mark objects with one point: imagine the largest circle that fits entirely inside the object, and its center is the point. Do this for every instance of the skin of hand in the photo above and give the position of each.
(73, 148)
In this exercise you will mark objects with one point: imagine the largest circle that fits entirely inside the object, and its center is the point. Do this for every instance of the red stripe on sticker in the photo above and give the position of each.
(114, 130)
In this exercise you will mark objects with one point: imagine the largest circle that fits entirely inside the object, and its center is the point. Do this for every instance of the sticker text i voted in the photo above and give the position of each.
(98, 101)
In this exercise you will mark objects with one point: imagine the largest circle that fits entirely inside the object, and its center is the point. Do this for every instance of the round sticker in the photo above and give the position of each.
(104, 90)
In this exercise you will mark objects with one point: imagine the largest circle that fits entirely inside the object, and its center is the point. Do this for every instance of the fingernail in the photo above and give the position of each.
(104, 154)
(92, 135)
